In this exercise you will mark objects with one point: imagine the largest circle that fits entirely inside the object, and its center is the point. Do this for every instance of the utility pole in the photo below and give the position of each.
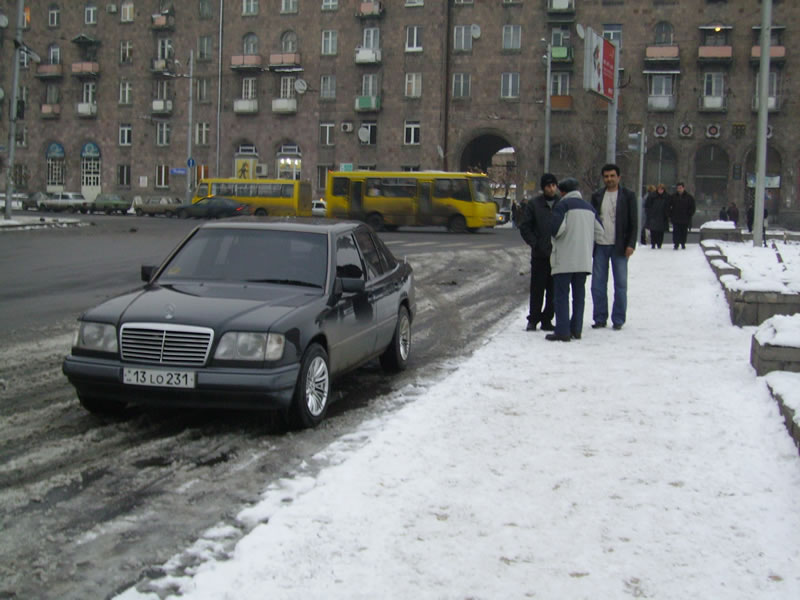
(12, 125)
(548, 107)
(761, 141)
(189, 160)
(611, 141)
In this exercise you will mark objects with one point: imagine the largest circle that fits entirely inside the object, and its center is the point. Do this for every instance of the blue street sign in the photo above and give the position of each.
(177, 171)
(190, 162)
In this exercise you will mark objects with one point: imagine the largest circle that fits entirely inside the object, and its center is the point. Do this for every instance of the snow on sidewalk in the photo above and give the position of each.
(647, 462)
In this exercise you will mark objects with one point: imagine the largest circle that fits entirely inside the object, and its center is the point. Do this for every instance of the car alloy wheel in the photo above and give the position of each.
(312, 391)
(395, 357)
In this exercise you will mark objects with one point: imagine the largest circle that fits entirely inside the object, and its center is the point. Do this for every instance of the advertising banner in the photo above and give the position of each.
(598, 65)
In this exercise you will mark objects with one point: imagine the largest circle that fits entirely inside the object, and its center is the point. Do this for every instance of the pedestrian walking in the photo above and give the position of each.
(656, 207)
(651, 189)
(535, 230)
(682, 208)
(574, 227)
(616, 207)
(733, 213)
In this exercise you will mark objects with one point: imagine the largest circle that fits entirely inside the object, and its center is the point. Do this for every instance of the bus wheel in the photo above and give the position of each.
(374, 220)
(457, 224)
(260, 212)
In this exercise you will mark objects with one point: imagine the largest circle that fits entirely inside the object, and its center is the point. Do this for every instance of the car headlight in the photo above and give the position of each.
(96, 336)
(245, 345)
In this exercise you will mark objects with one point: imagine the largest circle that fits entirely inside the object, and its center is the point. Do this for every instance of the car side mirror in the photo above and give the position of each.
(352, 285)
(147, 272)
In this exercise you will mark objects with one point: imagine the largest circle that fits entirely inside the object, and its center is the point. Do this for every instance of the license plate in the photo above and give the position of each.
(158, 378)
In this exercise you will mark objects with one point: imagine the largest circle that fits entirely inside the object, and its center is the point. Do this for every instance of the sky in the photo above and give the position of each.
(648, 462)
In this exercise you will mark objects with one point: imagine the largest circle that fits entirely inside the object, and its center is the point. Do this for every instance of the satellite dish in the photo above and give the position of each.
(300, 86)
(363, 134)
(579, 29)
(476, 31)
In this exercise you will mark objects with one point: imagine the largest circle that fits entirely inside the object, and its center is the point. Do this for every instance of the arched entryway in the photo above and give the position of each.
(661, 166)
(711, 177)
(90, 171)
(772, 193)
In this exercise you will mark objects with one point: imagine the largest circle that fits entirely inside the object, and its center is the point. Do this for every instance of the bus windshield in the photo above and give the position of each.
(481, 190)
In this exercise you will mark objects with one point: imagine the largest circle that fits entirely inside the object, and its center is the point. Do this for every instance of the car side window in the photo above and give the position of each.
(369, 252)
(348, 260)
(387, 258)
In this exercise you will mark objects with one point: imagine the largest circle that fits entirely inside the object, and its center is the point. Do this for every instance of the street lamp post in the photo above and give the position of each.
(189, 161)
(547, 107)
(12, 125)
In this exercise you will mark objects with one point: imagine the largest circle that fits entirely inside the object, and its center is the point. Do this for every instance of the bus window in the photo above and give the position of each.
(461, 190)
(441, 188)
(222, 189)
(395, 187)
(483, 192)
(202, 190)
(287, 190)
(341, 186)
(244, 190)
(374, 187)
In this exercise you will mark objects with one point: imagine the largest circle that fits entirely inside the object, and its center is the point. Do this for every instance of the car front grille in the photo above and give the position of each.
(165, 344)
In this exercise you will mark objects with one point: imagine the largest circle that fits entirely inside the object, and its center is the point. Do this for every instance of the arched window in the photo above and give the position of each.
(250, 44)
(663, 34)
(289, 42)
(289, 161)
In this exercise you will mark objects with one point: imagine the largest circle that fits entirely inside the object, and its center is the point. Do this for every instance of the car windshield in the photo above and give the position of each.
(252, 255)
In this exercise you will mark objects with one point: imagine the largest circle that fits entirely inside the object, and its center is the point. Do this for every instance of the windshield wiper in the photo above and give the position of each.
(285, 282)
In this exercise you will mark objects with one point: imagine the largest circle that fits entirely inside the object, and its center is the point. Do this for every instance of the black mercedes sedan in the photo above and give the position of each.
(214, 207)
(248, 313)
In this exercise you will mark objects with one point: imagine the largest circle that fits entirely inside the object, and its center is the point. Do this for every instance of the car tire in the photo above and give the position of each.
(139, 212)
(182, 214)
(168, 213)
(374, 220)
(101, 406)
(260, 212)
(312, 391)
(395, 357)
(457, 224)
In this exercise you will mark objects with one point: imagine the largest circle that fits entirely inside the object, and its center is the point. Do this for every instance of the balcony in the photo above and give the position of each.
(660, 103)
(773, 103)
(245, 106)
(369, 9)
(712, 104)
(51, 111)
(161, 65)
(561, 54)
(560, 11)
(161, 22)
(86, 70)
(49, 71)
(661, 56)
(777, 54)
(284, 106)
(368, 56)
(367, 103)
(86, 109)
(161, 107)
(715, 54)
(246, 62)
(285, 61)
(561, 103)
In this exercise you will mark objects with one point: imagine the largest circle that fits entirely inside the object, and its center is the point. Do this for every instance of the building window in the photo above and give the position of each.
(512, 37)
(202, 131)
(327, 87)
(24, 60)
(289, 42)
(509, 85)
(461, 85)
(712, 37)
(52, 94)
(772, 91)
(559, 37)
(409, 168)
(661, 85)
(249, 7)
(54, 54)
(663, 35)
(713, 91)
(462, 1)
(203, 87)
(165, 50)
(371, 129)
(55, 171)
(22, 136)
(369, 84)
(249, 90)
(125, 134)
(415, 2)
(162, 89)
(125, 90)
(326, 133)
(88, 93)
(288, 6)
(411, 137)
(287, 87)
(559, 83)
(613, 32)
(250, 44)
(413, 85)
(371, 38)
(204, 8)
(124, 175)
(163, 131)
(204, 47)
(322, 175)
(414, 38)
(54, 15)
(126, 51)
(162, 176)
(661, 92)
(90, 14)
(126, 12)
(329, 42)
(462, 38)
(330, 5)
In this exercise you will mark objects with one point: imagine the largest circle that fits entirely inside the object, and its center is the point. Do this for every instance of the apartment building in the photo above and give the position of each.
(146, 96)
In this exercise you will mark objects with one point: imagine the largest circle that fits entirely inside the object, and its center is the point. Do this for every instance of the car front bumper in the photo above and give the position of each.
(217, 387)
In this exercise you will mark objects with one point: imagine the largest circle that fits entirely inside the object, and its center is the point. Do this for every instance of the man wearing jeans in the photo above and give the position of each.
(617, 209)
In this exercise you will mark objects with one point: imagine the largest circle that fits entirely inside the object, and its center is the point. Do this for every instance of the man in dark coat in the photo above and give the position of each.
(656, 206)
(535, 230)
(618, 211)
(681, 209)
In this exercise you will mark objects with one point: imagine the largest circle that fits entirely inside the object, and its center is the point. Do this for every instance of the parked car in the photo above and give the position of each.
(156, 205)
(319, 208)
(111, 203)
(34, 200)
(248, 313)
(69, 201)
(214, 207)
(18, 199)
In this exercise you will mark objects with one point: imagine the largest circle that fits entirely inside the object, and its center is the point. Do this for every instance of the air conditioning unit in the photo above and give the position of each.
(347, 127)
(712, 130)
(262, 170)
(111, 9)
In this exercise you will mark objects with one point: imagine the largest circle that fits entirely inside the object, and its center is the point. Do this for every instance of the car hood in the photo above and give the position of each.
(221, 306)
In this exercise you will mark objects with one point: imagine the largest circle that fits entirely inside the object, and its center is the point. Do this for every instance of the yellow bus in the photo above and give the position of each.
(390, 199)
(273, 197)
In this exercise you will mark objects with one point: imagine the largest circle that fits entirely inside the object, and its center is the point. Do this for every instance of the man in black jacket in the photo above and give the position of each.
(535, 230)
(681, 209)
(618, 211)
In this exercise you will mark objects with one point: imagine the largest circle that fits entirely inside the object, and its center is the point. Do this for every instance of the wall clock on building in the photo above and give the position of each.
(686, 130)
(660, 130)
(712, 131)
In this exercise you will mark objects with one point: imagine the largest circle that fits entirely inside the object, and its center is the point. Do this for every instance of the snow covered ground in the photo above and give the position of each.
(647, 462)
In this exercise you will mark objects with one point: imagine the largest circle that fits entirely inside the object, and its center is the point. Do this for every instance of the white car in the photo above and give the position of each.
(319, 208)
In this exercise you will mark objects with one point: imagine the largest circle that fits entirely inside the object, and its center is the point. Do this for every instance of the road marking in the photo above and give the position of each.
(413, 244)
